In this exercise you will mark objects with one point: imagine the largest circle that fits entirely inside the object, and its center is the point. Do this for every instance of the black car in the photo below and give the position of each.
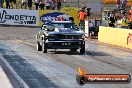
(60, 35)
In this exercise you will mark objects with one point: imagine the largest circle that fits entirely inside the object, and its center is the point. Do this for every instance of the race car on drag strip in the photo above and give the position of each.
(60, 35)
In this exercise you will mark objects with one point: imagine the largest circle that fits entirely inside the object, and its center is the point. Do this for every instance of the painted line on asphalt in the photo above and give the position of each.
(14, 73)
(25, 42)
(4, 80)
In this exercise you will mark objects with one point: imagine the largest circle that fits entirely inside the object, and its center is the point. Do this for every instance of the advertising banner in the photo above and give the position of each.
(54, 15)
(19, 17)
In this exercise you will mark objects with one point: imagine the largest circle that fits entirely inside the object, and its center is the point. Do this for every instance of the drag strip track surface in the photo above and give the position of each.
(26, 71)
(58, 68)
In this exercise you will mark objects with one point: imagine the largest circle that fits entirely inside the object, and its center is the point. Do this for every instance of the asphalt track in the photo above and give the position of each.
(58, 68)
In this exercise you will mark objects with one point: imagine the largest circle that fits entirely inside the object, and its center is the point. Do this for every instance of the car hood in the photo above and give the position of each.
(66, 31)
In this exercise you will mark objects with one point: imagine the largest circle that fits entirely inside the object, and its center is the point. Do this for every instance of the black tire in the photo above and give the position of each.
(44, 47)
(73, 50)
(39, 47)
(82, 50)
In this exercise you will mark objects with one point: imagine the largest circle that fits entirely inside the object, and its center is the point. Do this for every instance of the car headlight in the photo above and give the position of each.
(83, 36)
(46, 29)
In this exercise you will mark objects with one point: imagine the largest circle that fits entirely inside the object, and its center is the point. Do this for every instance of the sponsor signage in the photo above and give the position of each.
(83, 78)
(54, 16)
(19, 17)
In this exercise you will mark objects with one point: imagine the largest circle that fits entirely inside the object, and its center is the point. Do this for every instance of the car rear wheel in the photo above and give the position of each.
(82, 50)
(39, 47)
(44, 47)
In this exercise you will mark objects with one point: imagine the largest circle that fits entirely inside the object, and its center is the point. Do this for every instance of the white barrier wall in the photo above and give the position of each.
(19, 17)
(86, 28)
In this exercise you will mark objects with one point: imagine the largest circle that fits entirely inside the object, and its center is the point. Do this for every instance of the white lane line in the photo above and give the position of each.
(25, 42)
(14, 73)
(4, 81)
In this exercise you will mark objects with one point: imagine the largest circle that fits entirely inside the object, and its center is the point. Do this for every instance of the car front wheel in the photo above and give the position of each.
(39, 47)
(44, 47)
(82, 50)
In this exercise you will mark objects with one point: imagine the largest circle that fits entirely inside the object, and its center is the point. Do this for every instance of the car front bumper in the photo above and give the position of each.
(72, 44)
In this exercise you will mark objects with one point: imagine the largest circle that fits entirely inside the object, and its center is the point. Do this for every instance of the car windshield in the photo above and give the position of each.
(66, 25)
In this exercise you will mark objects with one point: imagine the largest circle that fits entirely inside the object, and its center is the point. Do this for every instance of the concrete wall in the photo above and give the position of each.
(115, 36)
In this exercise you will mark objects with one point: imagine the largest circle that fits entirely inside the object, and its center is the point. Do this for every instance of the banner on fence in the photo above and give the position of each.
(54, 15)
(19, 17)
